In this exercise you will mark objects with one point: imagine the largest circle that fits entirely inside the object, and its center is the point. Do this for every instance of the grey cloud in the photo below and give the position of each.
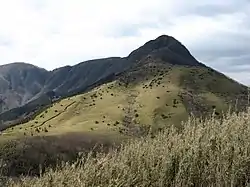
(212, 10)
(227, 50)
(235, 68)
(218, 8)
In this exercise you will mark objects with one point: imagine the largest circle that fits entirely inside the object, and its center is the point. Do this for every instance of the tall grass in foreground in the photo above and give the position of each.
(210, 153)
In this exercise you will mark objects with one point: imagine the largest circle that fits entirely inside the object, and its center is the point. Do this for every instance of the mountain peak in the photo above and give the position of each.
(19, 66)
(166, 48)
(164, 39)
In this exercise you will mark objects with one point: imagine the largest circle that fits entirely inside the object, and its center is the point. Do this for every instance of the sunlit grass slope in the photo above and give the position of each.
(155, 94)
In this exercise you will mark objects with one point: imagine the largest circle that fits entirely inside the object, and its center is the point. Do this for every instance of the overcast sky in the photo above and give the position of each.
(53, 33)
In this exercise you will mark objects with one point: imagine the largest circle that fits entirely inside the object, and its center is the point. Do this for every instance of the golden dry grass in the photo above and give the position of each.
(209, 153)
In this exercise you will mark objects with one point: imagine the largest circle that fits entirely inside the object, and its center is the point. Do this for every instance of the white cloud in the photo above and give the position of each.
(52, 33)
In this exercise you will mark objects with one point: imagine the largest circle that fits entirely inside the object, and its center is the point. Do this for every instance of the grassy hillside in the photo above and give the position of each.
(208, 153)
(146, 99)
(155, 94)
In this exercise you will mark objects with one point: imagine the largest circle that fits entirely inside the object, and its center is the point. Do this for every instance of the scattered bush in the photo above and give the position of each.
(216, 113)
(163, 116)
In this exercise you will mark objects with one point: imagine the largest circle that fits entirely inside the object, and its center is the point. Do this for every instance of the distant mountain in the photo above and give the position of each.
(19, 83)
(25, 88)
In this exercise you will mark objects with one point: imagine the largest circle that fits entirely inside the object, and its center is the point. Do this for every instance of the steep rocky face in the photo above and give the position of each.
(19, 82)
(80, 76)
